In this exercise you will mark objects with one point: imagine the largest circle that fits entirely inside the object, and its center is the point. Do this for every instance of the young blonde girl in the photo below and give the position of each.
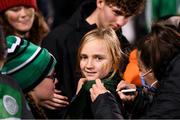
(99, 57)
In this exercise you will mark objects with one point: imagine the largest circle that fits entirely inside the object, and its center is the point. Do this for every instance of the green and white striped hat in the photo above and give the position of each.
(27, 63)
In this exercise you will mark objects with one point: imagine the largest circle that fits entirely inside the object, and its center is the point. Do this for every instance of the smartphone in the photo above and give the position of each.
(129, 91)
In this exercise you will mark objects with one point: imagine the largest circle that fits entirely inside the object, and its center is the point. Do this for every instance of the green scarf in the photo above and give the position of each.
(80, 107)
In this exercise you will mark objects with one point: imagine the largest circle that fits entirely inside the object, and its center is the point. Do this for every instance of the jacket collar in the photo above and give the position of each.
(78, 19)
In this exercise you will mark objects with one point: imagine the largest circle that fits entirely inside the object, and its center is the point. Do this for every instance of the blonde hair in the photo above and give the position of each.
(112, 42)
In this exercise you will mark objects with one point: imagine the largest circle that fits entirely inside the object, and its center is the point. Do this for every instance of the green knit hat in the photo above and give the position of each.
(27, 63)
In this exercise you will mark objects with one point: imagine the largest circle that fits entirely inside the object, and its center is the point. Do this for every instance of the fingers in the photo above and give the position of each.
(60, 99)
(58, 96)
(48, 106)
(52, 105)
(97, 89)
(82, 80)
(56, 81)
(80, 83)
(125, 85)
(99, 83)
(59, 102)
(57, 91)
(126, 98)
(122, 85)
(92, 95)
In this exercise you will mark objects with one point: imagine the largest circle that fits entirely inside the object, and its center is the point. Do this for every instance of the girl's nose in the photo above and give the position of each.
(89, 63)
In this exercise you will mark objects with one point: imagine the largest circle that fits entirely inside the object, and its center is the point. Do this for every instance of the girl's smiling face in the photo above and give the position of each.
(95, 59)
(20, 18)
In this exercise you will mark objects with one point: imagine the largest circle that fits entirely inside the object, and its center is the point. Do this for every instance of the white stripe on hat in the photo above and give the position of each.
(14, 45)
(25, 63)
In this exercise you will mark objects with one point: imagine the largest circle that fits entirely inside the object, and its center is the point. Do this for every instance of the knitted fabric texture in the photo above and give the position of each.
(27, 63)
(6, 4)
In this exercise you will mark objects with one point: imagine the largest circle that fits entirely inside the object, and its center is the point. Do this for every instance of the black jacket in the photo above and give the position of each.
(63, 43)
(165, 104)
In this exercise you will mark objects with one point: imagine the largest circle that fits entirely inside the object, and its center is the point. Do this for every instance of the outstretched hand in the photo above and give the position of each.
(57, 101)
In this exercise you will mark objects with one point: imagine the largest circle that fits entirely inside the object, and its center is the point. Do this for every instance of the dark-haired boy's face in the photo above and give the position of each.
(110, 16)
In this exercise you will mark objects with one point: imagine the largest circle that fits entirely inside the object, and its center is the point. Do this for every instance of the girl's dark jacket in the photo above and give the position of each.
(80, 107)
(63, 43)
(165, 104)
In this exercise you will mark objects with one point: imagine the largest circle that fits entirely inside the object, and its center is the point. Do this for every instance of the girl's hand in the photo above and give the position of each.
(80, 84)
(97, 89)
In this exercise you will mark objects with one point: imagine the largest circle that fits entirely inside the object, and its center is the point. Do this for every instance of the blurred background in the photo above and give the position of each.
(57, 12)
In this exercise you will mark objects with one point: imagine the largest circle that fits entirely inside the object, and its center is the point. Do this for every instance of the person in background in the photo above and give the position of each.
(131, 73)
(32, 67)
(159, 54)
(99, 58)
(63, 41)
(172, 20)
(23, 19)
(12, 102)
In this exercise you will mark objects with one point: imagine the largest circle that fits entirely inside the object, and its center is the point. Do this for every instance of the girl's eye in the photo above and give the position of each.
(83, 57)
(99, 58)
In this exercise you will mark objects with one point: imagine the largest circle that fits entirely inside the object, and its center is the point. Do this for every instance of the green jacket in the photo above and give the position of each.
(12, 102)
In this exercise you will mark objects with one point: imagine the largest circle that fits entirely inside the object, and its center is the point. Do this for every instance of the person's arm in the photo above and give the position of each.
(106, 107)
(57, 101)
(104, 104)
